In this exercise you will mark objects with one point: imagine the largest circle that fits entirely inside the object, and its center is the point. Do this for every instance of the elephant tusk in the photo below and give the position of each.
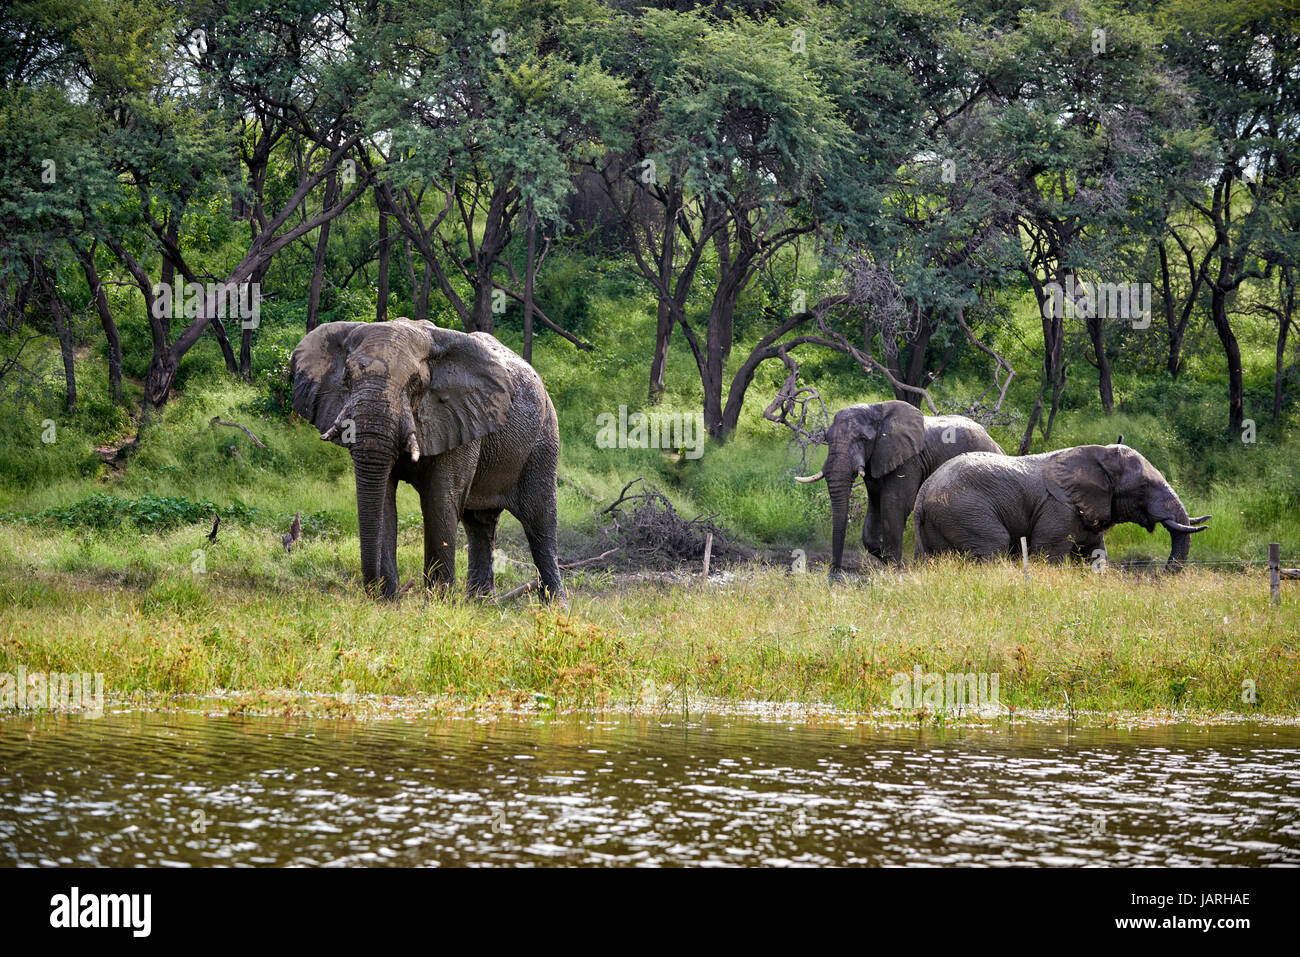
(1198, 520)
(414, 447)
(330, 434)
(1184, 529)
(862, 473)
(809, 478)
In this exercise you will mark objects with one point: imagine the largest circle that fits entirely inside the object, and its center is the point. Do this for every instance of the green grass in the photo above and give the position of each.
(261, 621)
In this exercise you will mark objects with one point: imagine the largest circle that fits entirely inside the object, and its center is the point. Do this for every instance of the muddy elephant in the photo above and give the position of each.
(1061, 502)
(893, 448)
(459, 417)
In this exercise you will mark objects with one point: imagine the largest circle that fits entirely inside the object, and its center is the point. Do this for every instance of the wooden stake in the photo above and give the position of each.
(708, 554)
(1024, 556)
(1274, 572)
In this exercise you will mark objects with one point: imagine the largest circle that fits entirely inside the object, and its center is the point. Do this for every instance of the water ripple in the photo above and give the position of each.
(184, 790)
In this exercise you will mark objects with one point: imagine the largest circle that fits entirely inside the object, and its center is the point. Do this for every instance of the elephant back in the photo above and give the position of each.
(948, 436)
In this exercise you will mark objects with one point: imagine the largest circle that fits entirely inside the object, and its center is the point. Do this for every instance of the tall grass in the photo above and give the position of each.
(261, 621)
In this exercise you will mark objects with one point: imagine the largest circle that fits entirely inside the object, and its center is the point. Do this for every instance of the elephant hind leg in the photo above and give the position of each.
(481, 530)
(941, 529)
(539, 520)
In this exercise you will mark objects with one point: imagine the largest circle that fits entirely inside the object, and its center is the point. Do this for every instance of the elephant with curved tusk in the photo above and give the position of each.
(1062, 502)
(893, 448)
(459, 417)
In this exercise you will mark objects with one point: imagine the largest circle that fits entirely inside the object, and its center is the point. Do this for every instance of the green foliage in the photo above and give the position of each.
(151, 513)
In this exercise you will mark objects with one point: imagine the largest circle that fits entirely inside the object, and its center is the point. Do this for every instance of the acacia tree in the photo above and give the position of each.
(165, 133)
(737, 133)
(1080, 107)
(52, 171)
(486, 112)
(1241, 58)
(933, 248)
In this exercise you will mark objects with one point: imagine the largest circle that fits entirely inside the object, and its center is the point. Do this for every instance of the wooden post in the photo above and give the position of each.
(708, 554)
(1274, 572)
(1024, 556)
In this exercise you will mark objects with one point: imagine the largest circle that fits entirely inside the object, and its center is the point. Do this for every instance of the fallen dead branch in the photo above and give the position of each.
(216, 421)
(534, 584)
(793, 407)
(649, 528)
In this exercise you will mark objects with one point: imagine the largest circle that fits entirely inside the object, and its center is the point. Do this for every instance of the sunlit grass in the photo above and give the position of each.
(256, 619)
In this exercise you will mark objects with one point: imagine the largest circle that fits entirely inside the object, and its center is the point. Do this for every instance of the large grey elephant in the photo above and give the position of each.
(460, 417)
(1061, 502)
(893, 448)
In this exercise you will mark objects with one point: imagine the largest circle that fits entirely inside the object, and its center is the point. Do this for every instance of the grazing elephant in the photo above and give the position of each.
(1061, 502)
(894, 448)
(460, 417)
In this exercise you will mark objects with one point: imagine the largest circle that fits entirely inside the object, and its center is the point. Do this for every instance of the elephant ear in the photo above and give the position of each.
(1084, 478)
(317, 370)
(469, 391)
(900, 434)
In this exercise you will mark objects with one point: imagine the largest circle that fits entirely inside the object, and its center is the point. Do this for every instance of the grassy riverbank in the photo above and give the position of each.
(105, 565)
(280, 628)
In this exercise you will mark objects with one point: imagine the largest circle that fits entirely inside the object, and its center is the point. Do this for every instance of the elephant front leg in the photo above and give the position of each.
(388, 549)
(872, 528)
(440, 521)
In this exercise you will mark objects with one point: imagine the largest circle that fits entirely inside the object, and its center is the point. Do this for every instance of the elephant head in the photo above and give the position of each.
(391, 392)
(1111, 484)
(865, 440)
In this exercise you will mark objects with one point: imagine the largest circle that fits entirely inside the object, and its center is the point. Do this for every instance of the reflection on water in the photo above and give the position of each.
(181, 789)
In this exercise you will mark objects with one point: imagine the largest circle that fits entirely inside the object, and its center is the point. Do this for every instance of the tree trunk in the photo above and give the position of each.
(246, 330)
(1232, 351)
(318, 260)
(1173, 359)
(669, 303)
(665, 319)
(424, 292)
(1053, 362)
(63, 329)
(381, 306)
(1286, 308)
(530, 270)
(100, 298)
(1279, 363)
(914, 373)
(1097, 333)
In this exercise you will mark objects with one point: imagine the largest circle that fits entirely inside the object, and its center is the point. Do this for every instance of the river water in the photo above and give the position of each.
(182, 789)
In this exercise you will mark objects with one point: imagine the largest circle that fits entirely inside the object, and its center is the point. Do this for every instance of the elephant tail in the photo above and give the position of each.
(918, 523)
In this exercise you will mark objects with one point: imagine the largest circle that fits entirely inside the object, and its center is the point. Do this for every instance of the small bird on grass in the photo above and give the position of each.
(292, 536)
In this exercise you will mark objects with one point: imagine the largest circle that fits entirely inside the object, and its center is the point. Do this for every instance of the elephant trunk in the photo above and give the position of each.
(1181, 528)
(372, 481)
(839, 487)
